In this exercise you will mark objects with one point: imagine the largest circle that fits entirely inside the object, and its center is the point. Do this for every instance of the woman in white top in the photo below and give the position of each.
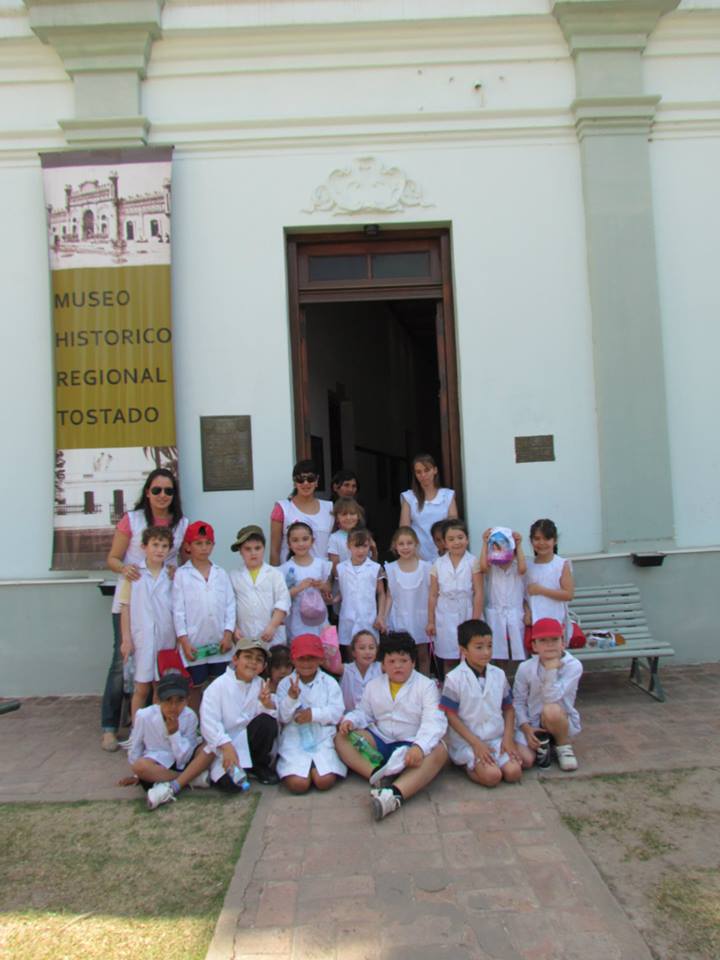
(425, 503)
(549, 582)
(301, 505)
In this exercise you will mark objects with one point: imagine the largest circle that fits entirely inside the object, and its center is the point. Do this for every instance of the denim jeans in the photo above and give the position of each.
(113, 695)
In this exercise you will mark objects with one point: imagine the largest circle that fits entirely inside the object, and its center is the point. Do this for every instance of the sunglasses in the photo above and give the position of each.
(156, 491)
(305, 478)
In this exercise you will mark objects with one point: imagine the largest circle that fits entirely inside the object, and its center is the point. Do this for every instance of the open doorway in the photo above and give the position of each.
(373, 381)
(374, 366)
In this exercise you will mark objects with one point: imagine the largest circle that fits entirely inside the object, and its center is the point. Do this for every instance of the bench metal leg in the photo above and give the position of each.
(653, 686)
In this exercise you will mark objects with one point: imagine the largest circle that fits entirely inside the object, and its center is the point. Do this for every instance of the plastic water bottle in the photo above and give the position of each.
(365, 749)
(207, 650)
(129, 675)
(307, 734)
(239, 778)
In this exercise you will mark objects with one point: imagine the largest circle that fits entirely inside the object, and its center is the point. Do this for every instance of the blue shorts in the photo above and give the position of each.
(206, 671)
(385, 748)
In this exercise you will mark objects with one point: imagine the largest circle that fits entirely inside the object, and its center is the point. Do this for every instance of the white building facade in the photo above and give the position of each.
(557, 159)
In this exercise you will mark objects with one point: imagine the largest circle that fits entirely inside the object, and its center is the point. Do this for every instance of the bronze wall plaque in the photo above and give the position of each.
(534, 449)
(226, 444)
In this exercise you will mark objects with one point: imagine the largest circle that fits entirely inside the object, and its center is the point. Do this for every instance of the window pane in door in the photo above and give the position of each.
(337, 268)
(394, 265)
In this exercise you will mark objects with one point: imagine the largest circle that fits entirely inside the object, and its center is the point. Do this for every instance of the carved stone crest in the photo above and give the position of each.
(366, 186)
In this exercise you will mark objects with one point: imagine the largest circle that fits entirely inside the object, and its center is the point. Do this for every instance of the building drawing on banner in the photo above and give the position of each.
(108, 217)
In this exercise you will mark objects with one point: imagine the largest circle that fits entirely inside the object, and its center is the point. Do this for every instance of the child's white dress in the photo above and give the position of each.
(337, 545)
(409, 592)
(358, 603)
(478, 702)
(454, 603)
(546, 575)
(295, 757)
(318, 569)
(151, 621)
(505, 590)
(353, 683)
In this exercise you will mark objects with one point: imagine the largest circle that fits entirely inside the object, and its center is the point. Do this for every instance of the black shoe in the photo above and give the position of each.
(264, 775)
(544, 751)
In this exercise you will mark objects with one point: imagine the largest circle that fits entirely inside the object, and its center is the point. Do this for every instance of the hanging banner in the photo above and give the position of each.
(108, 215)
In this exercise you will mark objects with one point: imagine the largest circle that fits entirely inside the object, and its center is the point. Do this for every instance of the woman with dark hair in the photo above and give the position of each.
(158, 505)
(425, 503)
(301, 506)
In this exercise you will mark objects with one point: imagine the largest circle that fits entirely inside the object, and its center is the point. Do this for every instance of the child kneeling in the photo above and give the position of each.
(398, 717)
(310, 705)
(165, 752)
(237, 719)
(544, 697)
(477, 700)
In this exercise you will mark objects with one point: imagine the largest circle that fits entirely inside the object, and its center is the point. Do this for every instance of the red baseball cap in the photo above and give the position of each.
(199, 531)
(547, 627)
(307, 645)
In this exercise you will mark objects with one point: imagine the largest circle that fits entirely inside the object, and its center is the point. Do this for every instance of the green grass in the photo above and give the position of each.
(110, 879)
(692, 900)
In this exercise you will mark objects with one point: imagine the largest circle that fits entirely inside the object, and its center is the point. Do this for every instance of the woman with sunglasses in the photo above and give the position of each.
(302, 505)
(158, 505)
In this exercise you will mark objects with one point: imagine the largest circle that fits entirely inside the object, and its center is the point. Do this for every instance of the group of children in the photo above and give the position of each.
(254, 653)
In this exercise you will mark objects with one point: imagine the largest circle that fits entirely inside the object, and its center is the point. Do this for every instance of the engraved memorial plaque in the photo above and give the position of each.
(226, 444)
(534, 449)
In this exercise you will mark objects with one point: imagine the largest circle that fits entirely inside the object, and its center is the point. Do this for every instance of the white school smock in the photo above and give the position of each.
(321, 524)
(228, 705)
(422, 520)
(134, 553)
(149, 738)
(353, 683)
(256, 600)
(478, 702)
(414, 715)
(534, 686)
(504, 614)
(409, 592)
(454, 603)
(337, 545)
(358, 598)
(151, 621)
(322, 695)
(293, 573)
(203, 609)
(546, 575)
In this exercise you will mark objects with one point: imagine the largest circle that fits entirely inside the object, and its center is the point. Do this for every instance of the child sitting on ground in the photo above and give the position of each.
(477, 700)
(261, 597)
(363, 668)
(164, 752)
(237, 719)
(279, 666)
(310, 705)
(398, 716)
(203, 611)
(544, 698)
(146, 619)
(502, 561)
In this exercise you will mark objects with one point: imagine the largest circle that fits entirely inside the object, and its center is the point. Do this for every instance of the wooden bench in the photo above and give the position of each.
(618, 608)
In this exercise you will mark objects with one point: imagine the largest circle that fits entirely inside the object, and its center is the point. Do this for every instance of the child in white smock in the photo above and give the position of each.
(310, 706)
(360, 584)
(456, 593)
(549, 583)
(362, 668)
(262, 598)
(502, 561)
(408, 586)
(308, 580)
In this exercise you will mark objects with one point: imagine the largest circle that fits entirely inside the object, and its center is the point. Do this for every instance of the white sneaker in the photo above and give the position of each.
(384, 802)
(159, 793)
(395, 764)
(566, 757)
(201, 781)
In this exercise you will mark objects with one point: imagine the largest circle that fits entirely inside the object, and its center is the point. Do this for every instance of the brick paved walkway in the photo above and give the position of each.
(459, 872)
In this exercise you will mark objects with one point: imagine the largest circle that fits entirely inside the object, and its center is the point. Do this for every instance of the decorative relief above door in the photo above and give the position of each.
(366, 186)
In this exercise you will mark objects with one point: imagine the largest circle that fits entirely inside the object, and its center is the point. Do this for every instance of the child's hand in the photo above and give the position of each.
(267, 634)
(532, 740)
(511, 749)
(553, 663)
(237, 635)
(294, 688)
(430, 628)
(265, 697)
(346, 726)
(171, 568)
(483, 753)
(303, 715)
(414, 757)
(188, 649)
(229, 756)
(126, 648)
(527, 617)
(227, 642)
(131, 571)
(486, 535)
(517, 537)
(380, 625)
(304, 584)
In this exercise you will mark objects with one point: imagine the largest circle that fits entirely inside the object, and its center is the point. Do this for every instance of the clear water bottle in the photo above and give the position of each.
(239, 778)
(129, 675)
(308, 734)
